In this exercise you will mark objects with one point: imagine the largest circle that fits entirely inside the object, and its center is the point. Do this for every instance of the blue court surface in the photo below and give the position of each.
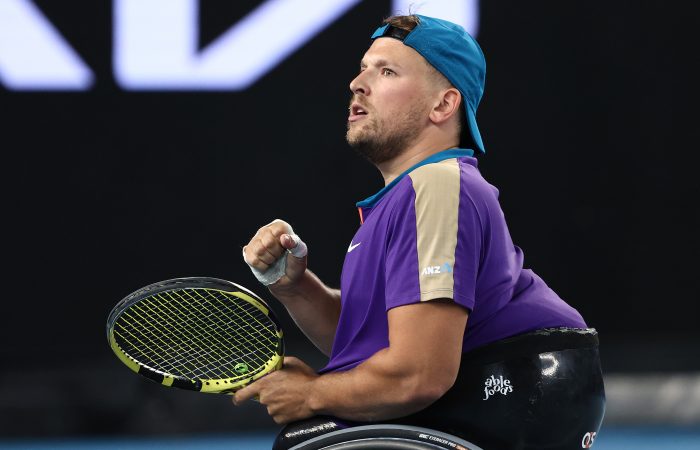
(632, 438)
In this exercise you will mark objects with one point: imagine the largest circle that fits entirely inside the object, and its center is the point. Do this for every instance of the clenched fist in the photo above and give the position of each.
(276, 255)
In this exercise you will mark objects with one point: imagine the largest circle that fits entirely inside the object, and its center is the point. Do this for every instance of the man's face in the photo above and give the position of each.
(390, 102)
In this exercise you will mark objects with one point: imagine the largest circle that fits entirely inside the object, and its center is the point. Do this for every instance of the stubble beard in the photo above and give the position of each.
(380, 140)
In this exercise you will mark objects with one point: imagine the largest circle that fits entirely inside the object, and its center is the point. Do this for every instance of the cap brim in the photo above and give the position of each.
(474, 130)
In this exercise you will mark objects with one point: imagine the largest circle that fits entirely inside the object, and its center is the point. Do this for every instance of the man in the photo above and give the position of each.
(436, 322)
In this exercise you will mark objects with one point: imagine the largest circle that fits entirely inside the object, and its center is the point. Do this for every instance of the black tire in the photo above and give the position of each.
(386, 437)
(382, 444)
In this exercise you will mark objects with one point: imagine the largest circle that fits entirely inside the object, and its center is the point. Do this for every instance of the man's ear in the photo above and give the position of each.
(446, 107)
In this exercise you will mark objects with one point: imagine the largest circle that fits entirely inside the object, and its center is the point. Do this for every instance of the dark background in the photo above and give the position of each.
(586, 119)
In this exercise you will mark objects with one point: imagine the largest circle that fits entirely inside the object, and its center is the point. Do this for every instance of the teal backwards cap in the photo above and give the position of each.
(455, 54)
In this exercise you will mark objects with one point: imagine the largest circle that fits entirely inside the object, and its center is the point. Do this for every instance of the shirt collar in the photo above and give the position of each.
(369, 202)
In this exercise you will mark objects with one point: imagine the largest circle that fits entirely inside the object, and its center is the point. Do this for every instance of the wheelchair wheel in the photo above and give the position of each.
(382, 444)
(386, 437)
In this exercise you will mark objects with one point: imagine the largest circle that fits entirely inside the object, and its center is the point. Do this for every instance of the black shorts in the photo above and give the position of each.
(538, 391)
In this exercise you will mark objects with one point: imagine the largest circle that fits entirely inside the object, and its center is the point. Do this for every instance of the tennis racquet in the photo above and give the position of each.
(200, 334)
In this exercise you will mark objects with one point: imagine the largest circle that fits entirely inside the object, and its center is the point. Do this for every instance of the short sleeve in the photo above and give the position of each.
(434, 244)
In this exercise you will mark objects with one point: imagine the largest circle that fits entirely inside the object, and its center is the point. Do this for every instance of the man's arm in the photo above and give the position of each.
(314, 306)
(419, 366)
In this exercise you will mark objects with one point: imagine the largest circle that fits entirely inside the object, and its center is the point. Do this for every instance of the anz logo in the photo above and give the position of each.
(436, 270)
(155, 43)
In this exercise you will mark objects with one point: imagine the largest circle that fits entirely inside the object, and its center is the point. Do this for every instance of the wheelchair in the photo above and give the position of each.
(540, 390)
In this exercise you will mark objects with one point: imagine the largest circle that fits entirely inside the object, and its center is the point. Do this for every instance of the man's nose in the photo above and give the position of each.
(358, 85)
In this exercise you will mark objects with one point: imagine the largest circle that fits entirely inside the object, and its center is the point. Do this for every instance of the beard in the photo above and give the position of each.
(380, 140)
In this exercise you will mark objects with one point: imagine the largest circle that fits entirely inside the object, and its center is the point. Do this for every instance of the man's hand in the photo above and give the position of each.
(268, 245)
(284, 392)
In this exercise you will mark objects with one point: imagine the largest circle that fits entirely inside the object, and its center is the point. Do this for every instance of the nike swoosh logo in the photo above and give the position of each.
(353, 247)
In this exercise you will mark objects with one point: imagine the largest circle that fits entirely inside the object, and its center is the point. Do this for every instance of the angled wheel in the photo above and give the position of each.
(386, 437)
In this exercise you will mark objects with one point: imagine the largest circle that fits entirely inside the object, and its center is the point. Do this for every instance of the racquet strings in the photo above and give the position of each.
(197, 333)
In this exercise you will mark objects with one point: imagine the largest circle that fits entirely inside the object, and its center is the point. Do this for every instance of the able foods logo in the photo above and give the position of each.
(494, 385)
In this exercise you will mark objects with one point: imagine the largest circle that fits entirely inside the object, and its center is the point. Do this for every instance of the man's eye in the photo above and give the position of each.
(386, 71)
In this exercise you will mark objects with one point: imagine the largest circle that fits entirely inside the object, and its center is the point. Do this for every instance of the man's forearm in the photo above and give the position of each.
(381, 388)
(420, 364)
(314, 307)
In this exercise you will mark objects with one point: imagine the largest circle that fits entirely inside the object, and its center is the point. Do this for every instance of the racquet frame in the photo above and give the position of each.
(208, 286)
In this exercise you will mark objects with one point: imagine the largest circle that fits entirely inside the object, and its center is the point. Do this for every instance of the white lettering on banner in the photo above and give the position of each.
(34, 55)
(155, 43)
(464, 12)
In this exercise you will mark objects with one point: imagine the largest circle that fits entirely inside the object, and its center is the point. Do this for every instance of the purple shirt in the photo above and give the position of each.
(438, 231)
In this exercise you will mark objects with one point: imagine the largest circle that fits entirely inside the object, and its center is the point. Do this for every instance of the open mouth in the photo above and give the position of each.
(357, 112)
